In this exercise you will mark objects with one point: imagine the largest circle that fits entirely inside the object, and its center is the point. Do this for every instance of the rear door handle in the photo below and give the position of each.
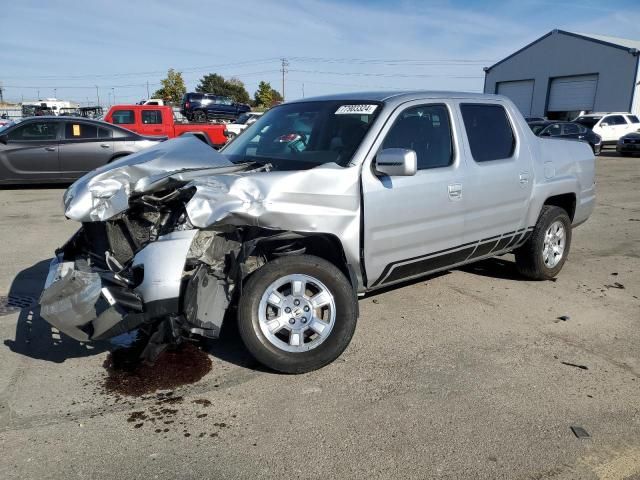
(524, 178)
(105, 145)
(50, 149)
(455, 191)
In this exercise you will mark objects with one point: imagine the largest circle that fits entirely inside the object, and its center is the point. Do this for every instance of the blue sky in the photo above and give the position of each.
(331, 46)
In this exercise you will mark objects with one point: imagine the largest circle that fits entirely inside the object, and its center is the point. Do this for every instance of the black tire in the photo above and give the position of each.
(200, 116)
(337, 340)
(529, 258)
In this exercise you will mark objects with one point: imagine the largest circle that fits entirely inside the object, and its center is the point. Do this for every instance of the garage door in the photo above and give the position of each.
(520, 93)
(572, 94)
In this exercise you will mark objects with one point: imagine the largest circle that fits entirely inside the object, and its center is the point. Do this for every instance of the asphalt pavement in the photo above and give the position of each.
(468, 374)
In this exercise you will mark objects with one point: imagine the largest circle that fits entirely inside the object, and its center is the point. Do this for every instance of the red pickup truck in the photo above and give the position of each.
(154, 120)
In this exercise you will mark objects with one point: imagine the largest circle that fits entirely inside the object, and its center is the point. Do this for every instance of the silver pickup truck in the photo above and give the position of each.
(318, 202)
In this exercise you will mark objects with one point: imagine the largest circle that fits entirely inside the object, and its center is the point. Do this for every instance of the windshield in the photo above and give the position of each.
(588, 122)
(242, 119)
(306, 134)
(5, 126)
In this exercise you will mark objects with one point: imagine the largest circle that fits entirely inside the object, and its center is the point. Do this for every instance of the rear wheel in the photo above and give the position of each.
(297, 313)
(199, 116)
(546, 250)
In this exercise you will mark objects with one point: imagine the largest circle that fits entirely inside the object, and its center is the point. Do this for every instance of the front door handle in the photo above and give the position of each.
(105, 145)
(50, 149)
(455, 191)
(524, 178)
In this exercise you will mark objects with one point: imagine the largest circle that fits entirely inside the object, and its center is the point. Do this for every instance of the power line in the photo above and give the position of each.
(385, 75)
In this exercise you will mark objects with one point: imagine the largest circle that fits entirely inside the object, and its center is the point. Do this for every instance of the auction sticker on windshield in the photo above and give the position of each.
(356, 109)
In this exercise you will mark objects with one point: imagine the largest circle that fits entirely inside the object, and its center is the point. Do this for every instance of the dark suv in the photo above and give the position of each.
(201, 107)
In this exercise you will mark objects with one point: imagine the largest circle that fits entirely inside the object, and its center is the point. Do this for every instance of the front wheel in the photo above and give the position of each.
(546, 250)
(297, 313)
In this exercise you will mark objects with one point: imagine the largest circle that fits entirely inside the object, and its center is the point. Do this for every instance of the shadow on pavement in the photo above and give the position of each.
(34, 337)
(496, 267)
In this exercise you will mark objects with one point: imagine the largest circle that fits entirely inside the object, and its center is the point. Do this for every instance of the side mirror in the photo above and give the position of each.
(4, 139)
(604, 124)
(397, 162)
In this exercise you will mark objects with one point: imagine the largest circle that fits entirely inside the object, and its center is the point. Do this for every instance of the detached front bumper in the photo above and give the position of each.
(88, 305)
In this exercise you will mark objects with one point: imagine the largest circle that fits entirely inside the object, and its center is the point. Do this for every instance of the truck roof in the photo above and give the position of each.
(399, 96)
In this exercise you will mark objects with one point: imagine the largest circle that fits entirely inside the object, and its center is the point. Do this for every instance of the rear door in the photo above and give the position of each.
(613, 127)
(31, 152)
(415, 224)
(500, 176)
(151, 122)
(84, 146)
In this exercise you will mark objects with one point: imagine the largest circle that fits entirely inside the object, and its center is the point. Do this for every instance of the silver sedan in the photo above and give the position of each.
(62, 149)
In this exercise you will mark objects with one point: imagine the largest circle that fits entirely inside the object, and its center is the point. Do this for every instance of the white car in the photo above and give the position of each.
(236, 128)
(610, 126)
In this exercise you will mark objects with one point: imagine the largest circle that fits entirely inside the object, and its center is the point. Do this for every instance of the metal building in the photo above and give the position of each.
(562, 74)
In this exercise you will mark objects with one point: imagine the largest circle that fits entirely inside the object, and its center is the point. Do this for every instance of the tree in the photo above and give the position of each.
(216, 84)
(266, 96)
(173, 87)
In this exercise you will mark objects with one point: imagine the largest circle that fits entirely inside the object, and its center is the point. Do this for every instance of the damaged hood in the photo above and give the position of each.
(324, 198)
(105, 192)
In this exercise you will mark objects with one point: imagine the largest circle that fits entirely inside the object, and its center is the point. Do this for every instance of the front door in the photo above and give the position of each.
(84, 147)
(415, 224)
(31, 152)
(151, 123)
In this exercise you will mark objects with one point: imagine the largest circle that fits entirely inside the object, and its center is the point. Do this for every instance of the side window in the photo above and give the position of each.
(80, 131)
(633, 119)
(614, 120)
(123, 117)
(151, 117)
(571, 129)
(489, 131)
(425, 130)
(104, 133)
(582, 129)
(36, 131)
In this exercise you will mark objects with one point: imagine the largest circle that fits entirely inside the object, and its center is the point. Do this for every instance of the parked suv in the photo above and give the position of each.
(316, 203)
(610, 126)
(200, 107)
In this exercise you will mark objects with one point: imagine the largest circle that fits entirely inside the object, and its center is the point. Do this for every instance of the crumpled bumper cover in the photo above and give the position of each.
(78, 304)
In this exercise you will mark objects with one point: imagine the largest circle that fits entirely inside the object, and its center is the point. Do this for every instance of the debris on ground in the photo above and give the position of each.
(617, 285)
(564, 318)
(375, 300)
(580, 432)
(582, 367)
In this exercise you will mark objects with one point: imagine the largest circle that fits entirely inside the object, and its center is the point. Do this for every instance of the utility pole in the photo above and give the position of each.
(113, 90)
(38, 94)
(148, 90)
(55, 93)
(303, 90)
(98, 95)
(1, 93)
(284, 70)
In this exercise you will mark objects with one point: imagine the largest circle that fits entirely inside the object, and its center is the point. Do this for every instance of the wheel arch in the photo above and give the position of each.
(566, 201)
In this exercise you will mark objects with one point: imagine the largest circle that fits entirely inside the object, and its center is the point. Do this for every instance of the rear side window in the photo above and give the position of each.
(571, 129)
(151, 117)
(614, 120)
(104, 133)
(80, 131)
(123, 117)
(633, 119)
(427, 131)
(489, 131)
